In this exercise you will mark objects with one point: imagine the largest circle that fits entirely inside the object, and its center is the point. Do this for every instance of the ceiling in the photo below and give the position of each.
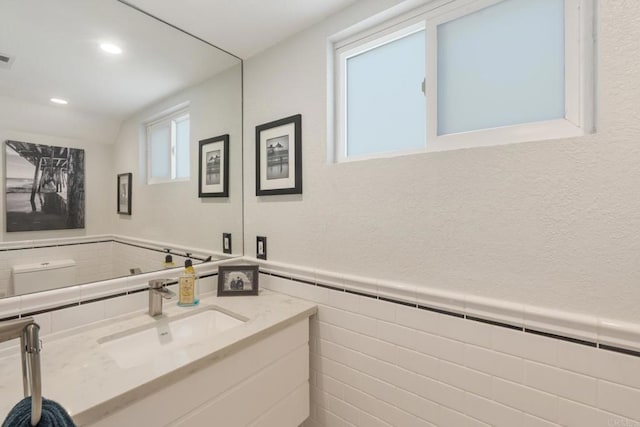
(242, 27)
(54, 48)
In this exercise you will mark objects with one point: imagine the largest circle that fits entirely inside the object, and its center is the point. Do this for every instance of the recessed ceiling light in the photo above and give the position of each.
(59, 101)
(111, 48)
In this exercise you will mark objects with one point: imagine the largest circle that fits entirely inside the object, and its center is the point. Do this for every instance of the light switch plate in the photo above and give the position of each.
(226, 243)
(261, 247)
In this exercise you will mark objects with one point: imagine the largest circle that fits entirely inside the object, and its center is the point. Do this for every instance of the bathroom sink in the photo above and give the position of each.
(163, 344)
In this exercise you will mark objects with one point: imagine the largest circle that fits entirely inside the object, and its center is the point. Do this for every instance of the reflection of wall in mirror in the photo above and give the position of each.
(218, 98)
(216, 108)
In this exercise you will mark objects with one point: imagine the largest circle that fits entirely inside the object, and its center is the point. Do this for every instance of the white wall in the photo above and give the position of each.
(27, 122)
(173, 212)
(554, 223)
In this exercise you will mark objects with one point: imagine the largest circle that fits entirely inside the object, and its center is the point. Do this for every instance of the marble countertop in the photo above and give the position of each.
(82, 377)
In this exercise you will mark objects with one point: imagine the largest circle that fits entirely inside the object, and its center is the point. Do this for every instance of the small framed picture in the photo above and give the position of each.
(124, 193)
(279, 157)
(213, 167)
(237, 280)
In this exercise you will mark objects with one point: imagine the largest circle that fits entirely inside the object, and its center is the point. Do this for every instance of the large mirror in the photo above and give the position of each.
(128, 81)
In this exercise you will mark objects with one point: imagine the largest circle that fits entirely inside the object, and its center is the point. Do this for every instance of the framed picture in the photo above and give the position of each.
(237, 280)
(44, 187)
(213, 167)
(124, 193)
(279, 157)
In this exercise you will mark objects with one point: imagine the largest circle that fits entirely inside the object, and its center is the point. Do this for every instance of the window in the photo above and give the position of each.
(384, 97)
(168, 148)
(465, 73)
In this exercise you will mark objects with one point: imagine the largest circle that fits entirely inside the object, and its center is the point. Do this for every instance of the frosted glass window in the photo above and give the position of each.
(502, 65)
(385, 102)
(160, 151)
(494, 71)
(168, 148)
(182, 148)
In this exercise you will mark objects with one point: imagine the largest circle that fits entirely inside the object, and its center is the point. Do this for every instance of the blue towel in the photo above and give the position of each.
(53, 415)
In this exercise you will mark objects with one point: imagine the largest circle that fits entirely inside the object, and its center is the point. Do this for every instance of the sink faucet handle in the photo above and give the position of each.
(157, 283)
(157, 292)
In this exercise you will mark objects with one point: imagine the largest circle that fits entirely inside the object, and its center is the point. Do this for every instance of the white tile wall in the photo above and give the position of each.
(465, 379)
(619, 399)
(580, 388)
(526, 399)
(494, 363)
(577, 358)
(492, 412)
(375, 363)
(617, 368)
(528, 346)
(365, 419)
(449, 417)
(574, 414)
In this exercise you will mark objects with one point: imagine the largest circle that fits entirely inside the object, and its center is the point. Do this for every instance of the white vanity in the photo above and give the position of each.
(233, 361)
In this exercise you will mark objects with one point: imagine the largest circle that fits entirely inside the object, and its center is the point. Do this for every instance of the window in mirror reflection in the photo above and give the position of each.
(168, 148)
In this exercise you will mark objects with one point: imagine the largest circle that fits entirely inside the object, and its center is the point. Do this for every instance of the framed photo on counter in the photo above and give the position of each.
(234, 280)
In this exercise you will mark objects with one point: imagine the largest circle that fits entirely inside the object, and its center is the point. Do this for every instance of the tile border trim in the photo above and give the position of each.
(494, 314)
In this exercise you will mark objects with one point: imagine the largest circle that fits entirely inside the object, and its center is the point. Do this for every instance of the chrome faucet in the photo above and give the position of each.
(29, 333)
(157, 292)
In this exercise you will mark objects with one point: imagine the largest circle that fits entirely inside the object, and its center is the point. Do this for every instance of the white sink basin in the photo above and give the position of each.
(163, 344)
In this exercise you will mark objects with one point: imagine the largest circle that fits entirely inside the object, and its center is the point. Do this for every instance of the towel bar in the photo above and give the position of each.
(28, 332)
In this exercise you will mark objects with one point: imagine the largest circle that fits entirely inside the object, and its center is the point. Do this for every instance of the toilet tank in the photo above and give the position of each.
(43, 276)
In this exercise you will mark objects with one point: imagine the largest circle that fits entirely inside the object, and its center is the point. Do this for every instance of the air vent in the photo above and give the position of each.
(6, 61)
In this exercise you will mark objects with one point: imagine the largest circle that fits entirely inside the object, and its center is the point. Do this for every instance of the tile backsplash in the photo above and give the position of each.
(389, 363)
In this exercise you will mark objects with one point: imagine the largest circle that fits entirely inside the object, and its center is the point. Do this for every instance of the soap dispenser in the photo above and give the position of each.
(188, 286)
(168, 260)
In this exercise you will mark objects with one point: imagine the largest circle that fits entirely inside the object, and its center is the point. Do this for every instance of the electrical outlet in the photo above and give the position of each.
(226, 243)
(261, 247)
